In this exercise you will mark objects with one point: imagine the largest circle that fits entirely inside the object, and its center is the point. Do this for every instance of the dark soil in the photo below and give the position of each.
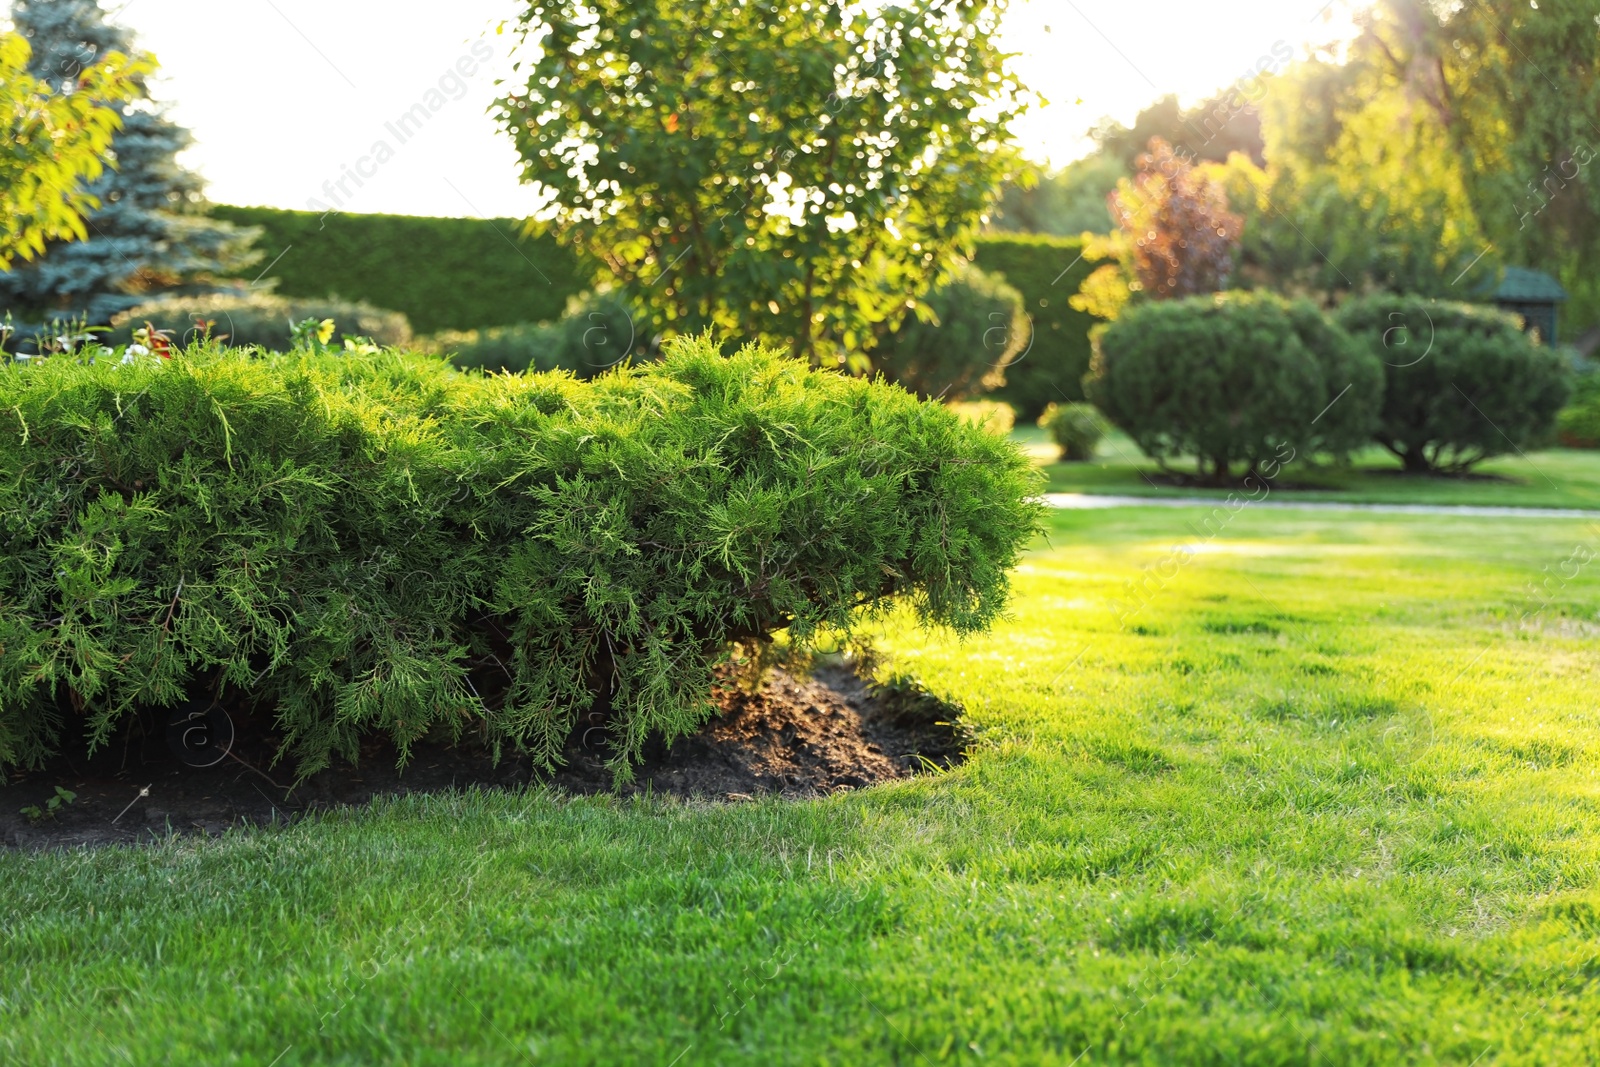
(796, 738)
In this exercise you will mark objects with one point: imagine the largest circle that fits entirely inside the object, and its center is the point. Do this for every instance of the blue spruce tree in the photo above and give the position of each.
(149, 234)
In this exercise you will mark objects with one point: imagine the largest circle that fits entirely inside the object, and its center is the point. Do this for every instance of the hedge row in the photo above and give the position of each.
(472, 274)
(442, 274)
(381, 543)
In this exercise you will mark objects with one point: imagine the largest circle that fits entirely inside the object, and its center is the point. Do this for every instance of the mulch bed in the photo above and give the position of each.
(795, 737)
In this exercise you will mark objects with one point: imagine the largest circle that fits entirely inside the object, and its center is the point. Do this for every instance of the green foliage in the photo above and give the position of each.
(1352, 382)
(1462, 382)
(1579, 422)
(993, 415)
(377, 542)
(257, 319)
(1047, 271)
(54, 804)
(779, 172)
(599, 331)
(442, 274)
(1066, 203)
(1225, 378)
(1524, 142)
(460, 281)
(1210, 131)
(528, 346)
(978, 328)
(1076, 428)
(147, 234)
(55, 143)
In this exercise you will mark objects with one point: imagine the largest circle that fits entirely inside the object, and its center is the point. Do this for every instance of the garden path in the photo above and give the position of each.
(1090, 501)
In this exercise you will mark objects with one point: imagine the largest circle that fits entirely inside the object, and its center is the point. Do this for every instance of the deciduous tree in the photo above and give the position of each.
(55, 144)
(798, 173)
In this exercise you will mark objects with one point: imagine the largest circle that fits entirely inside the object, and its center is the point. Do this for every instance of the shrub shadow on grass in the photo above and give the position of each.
(794, 737)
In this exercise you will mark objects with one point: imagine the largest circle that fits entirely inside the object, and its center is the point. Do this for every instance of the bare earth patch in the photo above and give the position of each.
(795, 737)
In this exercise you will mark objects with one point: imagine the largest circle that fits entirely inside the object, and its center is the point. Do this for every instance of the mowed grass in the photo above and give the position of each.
(1557, 477)
(1329, 796)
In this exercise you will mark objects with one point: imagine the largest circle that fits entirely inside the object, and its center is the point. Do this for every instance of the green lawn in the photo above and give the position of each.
(1559, 477)
(1329, 797)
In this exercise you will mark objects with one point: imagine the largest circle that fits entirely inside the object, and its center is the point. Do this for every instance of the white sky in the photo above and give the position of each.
(281, 95)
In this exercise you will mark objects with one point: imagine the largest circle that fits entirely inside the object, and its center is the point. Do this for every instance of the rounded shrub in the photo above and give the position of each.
(1225, 378)
(598, 332)
(1578, 424)
(526, 347)
(979, 328)
(1352, 380)
(375, 542)
(1077, 429)
(260, 319)
(1462, 381)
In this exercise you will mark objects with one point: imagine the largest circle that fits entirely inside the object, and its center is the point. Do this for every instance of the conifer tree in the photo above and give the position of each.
(149, 233)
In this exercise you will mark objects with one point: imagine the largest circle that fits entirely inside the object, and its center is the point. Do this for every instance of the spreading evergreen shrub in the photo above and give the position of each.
(1077, 430)
(1462, 381)
(1228, 379)
(378, 542)
(259, 319)
(979, 327)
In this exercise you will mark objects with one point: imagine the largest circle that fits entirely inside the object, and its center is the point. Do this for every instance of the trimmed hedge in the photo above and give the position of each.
(1047, 271)
(1462, 381)
(1228, 379)
(382, 543)
(442, 274)
(465, 274)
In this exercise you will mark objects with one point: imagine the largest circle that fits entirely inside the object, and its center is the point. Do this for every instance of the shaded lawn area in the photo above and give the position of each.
(1558, 477)
(1329, 796)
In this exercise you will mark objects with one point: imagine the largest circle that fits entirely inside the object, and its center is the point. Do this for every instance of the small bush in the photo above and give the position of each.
(528, 347)
(1462, 382)
(1076, 428)
(1578, 425)
(992, 415)
(375, 542)
(1228, 379)
(979, 329)
(258, 319)
(598, 332)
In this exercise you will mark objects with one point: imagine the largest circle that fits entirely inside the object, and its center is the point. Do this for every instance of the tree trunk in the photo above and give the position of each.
(1415, 461)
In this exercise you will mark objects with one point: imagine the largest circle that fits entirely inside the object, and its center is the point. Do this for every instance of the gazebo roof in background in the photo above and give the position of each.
(1524, 286)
